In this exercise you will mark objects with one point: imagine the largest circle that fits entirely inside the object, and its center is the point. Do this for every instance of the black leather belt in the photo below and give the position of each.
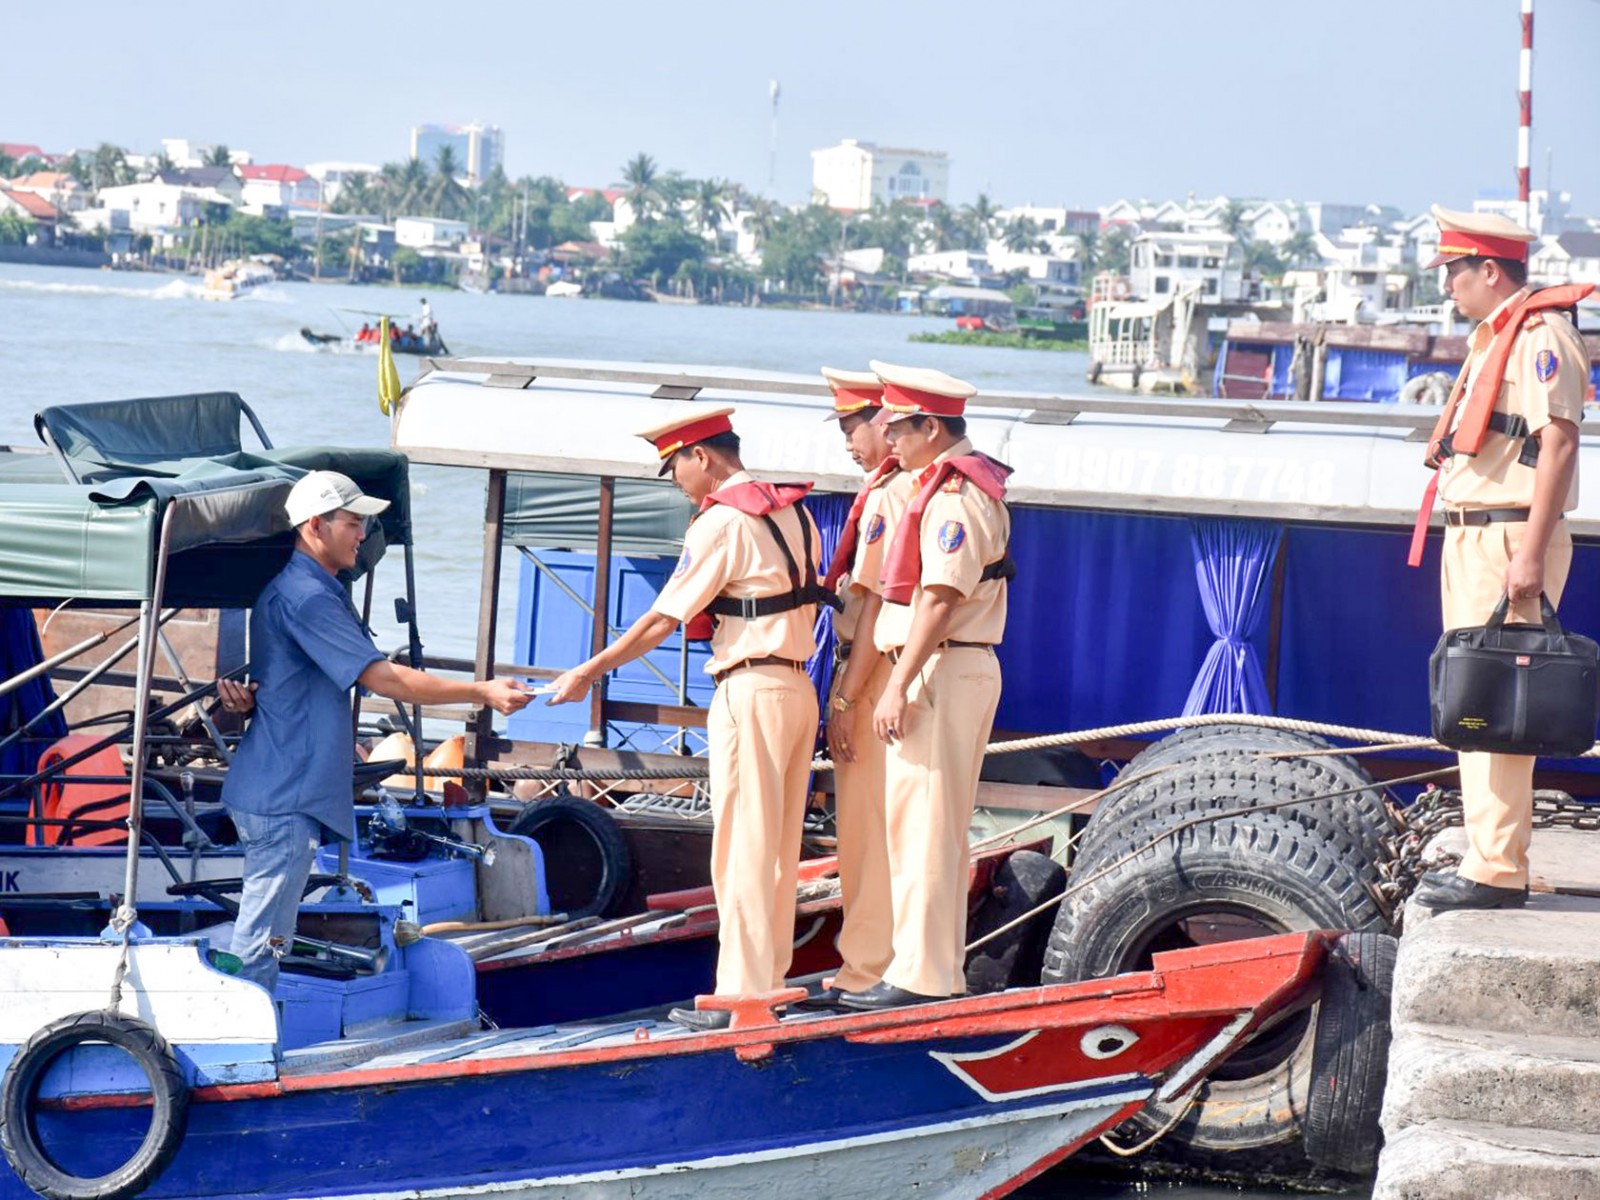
(771, 660)
(894, 655)
(841, 650)
(1485, 516)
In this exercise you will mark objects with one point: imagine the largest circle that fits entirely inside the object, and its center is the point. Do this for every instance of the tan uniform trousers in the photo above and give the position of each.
(1496, 789)
(761, 729)
(866, 940)
(931, 784)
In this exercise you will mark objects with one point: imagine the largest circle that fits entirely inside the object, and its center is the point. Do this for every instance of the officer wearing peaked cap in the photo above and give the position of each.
(943, 612)
(1505, 453)
(749, 571)
(859, 676)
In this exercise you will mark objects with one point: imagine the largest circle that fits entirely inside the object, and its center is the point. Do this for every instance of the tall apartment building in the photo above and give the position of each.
(853, 174)
(478, 148)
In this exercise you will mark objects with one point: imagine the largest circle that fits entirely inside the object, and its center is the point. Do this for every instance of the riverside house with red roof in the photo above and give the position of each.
(276, 190)
(44, 215)
(59, 188)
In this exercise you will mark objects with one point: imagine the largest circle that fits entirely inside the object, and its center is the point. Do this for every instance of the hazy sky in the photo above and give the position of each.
(1057, 101)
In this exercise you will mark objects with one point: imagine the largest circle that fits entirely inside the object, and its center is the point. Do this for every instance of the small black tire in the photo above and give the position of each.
(1262, 868)
(19, 1131)
(1350, 1056)
(579, 889)
(1021, 884)
(1353, 824)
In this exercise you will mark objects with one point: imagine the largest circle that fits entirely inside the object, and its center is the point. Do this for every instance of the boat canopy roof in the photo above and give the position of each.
(88, 526)
(1329, 463)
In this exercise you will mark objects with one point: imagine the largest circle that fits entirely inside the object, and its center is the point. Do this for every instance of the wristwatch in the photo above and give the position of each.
(840, 705)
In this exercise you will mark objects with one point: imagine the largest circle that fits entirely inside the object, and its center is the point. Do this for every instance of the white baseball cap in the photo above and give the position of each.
(322, 492)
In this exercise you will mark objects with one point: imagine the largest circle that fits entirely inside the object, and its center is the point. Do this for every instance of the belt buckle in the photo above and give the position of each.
(747, 607)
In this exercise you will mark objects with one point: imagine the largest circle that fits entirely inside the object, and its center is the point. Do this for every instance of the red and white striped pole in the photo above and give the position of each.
(1525, 125)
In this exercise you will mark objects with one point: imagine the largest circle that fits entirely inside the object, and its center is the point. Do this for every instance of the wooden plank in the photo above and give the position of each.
(686, 716)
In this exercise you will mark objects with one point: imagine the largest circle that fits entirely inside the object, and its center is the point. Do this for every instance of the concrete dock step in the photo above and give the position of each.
(1534, 969)
(1470, 1160)
(1447, 1074)
(1493, 1090)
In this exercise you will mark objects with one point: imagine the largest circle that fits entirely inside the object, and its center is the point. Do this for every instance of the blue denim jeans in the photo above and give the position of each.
(278, 853)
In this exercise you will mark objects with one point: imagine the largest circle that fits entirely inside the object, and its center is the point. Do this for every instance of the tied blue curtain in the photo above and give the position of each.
(1233, 563)
(830, 512)
(19, 650)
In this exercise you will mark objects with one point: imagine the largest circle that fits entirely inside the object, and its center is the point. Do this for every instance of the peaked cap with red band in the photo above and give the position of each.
(853, 391)
(685, 430)
(920, 391)
(1478, 235)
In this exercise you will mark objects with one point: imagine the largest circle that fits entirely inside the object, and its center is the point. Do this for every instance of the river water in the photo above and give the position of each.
(76, 335)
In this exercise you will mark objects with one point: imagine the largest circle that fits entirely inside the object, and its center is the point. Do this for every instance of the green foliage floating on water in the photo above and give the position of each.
(987, 337)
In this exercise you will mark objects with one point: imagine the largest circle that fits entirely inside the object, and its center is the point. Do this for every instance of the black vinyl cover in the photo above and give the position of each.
(1515, 689)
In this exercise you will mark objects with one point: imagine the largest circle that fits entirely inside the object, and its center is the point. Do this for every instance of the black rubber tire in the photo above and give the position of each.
(1263, 868)
(169, 1116)
(1354, 825)
(1350, 1056)
(1199, 740)
(1014, 959)
(601, 890)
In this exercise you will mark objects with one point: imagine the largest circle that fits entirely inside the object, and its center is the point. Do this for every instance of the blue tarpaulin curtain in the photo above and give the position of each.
(19, 650)
(829, 511)
(1233, 563)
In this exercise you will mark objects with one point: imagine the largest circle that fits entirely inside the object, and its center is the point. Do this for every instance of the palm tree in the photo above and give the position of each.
(641, 179)
(1021, 234)
(711, 209)
(109, 167)
(979, 219)
(219, 156)
(763, 219)
(1300, 248)
(403, 187)
(444, 196)
(359, 194)
(943, 230)
(1232, 219)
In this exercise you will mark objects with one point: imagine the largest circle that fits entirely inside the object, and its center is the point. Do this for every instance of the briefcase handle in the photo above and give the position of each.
(1497, 620)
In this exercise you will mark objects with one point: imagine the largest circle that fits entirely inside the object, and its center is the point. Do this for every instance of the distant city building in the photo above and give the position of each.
(1567, 258)
(853, 174)
(478, 149)
(1053, 220)
(181, 152)
(423, 233)
(334, 175)
(275, 188)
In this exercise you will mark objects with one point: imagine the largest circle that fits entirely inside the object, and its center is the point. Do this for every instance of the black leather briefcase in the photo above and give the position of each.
(1515, 689)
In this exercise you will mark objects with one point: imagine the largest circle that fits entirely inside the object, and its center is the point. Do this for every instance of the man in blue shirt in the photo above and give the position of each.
(291, 780)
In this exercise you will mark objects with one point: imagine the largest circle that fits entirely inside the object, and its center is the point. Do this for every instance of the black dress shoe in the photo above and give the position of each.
(700, 1021)
(884, 995)
(1459, 892)
(827, 1000)
(1436, 877)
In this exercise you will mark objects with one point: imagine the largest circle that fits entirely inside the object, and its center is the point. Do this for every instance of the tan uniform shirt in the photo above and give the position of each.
(727, 553)
(1547, 376)
(885, 505)
(963, 531)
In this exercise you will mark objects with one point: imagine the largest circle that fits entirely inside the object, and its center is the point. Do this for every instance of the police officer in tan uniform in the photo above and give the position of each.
(749, 558)
(1506, 449)
(860, 675)
(943, 612)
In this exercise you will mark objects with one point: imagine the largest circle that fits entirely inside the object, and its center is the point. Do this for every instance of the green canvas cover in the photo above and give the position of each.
(648, 516)
(98, 540)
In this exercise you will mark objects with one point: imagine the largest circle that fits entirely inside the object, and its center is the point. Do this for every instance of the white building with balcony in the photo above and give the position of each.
(853, 174)
(429, 233)
(1165, 264)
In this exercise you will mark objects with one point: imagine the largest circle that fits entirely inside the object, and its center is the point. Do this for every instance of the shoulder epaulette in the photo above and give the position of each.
(953, 484)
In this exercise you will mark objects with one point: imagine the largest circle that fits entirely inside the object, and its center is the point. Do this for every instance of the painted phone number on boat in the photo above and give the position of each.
(1217, 476)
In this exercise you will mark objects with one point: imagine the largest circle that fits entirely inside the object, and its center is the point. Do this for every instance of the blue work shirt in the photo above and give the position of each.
(307, 649)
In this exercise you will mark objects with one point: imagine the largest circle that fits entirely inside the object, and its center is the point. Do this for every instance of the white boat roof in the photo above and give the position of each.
(1337, 463)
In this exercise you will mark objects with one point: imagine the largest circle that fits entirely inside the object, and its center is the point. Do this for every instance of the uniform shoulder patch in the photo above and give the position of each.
(875, 528)
(953, 484)
(951, 535)
(684, 563)
(1545, 365)
(1534, 321)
